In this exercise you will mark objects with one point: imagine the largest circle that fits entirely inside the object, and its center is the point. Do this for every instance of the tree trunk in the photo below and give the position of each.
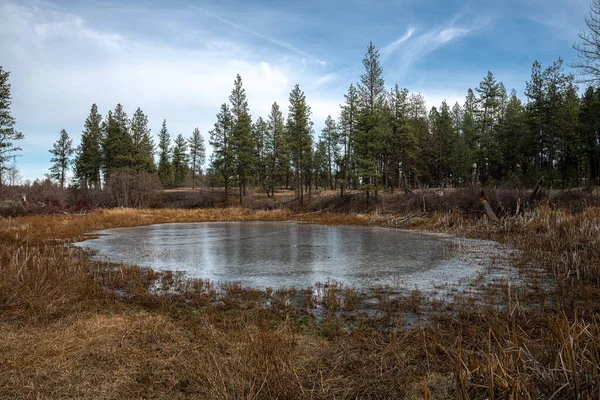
(301, 186)
(329, 165)
(346, 168)
(394, 168)
(406, 188)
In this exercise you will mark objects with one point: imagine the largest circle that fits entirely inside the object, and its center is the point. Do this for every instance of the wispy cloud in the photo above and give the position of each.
(325, 79)
(391, 47)
(561, 28)
(276, 41)
(450, 34)
(563, 18)
(414, 46)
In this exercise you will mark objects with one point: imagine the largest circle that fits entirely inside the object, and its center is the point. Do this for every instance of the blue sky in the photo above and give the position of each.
(177, 60)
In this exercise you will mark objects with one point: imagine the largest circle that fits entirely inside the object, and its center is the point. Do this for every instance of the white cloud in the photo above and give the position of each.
(60, 65)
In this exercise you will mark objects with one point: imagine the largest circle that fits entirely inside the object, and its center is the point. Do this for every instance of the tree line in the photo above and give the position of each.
(117, 143)
(388, 139)
(384, 139)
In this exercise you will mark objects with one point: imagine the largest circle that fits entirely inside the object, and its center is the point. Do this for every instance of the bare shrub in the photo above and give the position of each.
(12, 208)
(505, 202)
(575, 200)
(131, 189)
(44, 197)
(44, 192)
(187, 199)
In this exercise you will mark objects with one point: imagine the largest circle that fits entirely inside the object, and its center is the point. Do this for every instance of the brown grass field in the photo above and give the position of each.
(75, 328)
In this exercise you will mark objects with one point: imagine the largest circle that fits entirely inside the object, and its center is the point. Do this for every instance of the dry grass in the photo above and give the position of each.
(34, 229)
(72, 328)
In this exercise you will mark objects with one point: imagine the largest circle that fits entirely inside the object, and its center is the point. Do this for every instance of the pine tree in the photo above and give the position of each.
(277, 159)
(534, 90)
(117, 146)
(513, 138)
(384, 156)
(61, 158)
(568, 120)
(555, 88)
(241, 136)
(371, 91)
(220, 139)
(489, 101)
(180, 161)
(419, 128)
(165, 168)
(320, 164)
(589, 137)
(299, 128)
(461, 161)
(197, 154)
(444, 143)
(260, 132)
(471, 133)
(403, 141)
(8, 133)
(348, 123)
(88, 161)
(143, 144)
(329, 137)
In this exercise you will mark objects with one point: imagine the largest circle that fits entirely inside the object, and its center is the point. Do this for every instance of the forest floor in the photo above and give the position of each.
(72, 327)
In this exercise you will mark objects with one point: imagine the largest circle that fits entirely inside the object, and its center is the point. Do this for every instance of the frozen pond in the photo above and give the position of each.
(276, 254)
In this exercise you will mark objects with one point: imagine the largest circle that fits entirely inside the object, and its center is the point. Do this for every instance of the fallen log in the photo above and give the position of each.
(485, 204)
(406, 218)
(315, 212)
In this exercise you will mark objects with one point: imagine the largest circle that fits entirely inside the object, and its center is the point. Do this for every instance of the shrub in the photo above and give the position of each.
(131, 189)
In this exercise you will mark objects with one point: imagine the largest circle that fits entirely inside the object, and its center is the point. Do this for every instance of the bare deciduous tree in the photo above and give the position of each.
(588, 47)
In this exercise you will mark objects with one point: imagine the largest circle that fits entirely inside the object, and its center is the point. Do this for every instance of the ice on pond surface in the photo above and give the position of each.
(278, 254)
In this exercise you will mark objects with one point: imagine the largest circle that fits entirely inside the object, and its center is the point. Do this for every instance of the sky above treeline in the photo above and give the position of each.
(177, 60)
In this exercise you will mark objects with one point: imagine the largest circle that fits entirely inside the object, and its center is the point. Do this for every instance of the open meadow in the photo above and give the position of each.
(72, 327)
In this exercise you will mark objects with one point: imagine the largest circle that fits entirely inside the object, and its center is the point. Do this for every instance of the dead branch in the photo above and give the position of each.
(538, 186)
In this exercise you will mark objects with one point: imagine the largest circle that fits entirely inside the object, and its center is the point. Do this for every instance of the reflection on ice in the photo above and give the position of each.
(277, 254)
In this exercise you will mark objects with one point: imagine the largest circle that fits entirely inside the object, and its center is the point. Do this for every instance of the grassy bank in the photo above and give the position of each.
(73, 328)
